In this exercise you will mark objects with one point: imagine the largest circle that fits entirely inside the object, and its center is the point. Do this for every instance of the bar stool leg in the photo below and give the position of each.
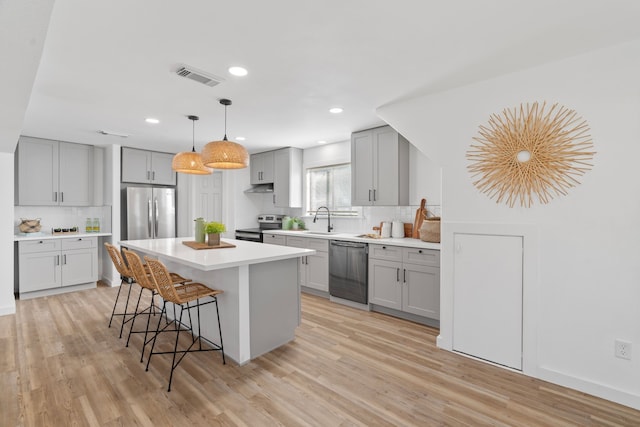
(113, 312)
(219, 330)
(175, 349)
(135, 315)
(153, 340)
(146, 331)
(126, 307)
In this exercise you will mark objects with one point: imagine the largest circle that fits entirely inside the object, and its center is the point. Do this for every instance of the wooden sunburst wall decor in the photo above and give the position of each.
(530, 151)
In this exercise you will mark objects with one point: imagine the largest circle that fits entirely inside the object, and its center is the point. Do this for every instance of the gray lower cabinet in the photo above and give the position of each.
(405, 279)
(274, 239)
(56, 263)
(313, 270)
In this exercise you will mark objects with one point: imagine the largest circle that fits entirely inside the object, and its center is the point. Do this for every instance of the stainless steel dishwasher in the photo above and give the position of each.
(348, 270)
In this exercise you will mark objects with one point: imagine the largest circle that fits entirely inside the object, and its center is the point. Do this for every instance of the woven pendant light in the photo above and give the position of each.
(190, 162)
(225, 154)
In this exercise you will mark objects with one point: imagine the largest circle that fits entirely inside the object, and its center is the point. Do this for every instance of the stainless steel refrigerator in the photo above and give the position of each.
(151, 213)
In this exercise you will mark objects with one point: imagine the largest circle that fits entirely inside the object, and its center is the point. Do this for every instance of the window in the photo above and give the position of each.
(330, 186)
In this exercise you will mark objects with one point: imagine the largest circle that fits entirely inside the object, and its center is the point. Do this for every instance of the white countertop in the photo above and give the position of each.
(351, 237)
(244, 253)
(45, 236)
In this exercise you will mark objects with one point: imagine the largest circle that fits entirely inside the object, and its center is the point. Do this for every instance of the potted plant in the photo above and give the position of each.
(297, 223)
(213, 230)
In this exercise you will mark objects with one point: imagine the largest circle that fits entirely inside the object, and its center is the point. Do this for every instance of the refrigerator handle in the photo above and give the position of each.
(149, 218)
(155, 206)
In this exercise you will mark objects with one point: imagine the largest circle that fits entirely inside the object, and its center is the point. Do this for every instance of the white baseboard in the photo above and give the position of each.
(8, 308)
(586, 386)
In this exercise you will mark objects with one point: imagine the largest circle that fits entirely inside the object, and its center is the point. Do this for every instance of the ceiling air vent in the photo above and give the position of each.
(199, 76)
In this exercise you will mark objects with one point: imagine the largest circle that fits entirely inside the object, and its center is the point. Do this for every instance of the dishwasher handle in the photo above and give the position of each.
(346, 244)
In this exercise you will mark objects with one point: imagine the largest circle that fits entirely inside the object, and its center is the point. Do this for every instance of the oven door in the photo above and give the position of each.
(250, 236)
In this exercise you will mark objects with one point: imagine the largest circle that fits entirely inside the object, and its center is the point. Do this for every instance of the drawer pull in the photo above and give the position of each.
(420, 251)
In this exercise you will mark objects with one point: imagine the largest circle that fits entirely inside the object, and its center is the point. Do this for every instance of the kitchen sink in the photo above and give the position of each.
(320, 232)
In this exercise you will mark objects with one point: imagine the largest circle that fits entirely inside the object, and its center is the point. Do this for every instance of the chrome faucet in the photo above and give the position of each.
(329, 226)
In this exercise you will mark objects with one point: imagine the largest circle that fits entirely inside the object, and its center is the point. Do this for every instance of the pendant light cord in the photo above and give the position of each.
(193, 136)
(225, 124)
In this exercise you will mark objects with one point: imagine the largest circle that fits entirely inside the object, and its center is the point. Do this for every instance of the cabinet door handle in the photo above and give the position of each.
(55, 196)
(404, 275)
(374, 194)
(56, 261)
(397, 274)
(64, 259)
(274, 199)
(62, 196)
(369, 195)
(153, 176)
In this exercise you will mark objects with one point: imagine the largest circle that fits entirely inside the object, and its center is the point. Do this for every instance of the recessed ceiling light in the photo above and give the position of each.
(240, 138)
(152, 120)
(335, 110)
(238, 71)
(322, 142)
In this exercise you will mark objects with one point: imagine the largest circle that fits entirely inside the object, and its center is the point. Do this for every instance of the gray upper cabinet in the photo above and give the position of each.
(147, 167)
(53, 173)
(379, 168)
(287, 178)
(262, 168)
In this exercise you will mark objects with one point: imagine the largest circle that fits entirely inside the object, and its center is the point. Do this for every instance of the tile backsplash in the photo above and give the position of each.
(371, 217)
(63, 217)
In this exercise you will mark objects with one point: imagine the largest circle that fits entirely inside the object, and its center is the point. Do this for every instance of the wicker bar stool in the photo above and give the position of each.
(182, 296)
(127, 276)
(143, 278)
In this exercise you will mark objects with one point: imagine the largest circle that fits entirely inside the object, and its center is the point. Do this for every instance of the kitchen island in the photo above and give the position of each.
(260, 306)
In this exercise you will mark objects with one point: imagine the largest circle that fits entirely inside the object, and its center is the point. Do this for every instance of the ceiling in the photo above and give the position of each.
(109, 65)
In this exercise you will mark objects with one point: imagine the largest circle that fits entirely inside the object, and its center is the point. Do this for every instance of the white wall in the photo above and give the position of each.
(7, 300)
(586, 292)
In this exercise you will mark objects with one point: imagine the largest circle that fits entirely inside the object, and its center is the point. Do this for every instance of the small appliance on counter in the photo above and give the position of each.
(265, 222)
(397, 229)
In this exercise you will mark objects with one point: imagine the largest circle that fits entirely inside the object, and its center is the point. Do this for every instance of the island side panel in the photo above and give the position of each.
(274, 296)
(226, 280)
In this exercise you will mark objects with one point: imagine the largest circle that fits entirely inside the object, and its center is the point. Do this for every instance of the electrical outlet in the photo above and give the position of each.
(623, 349)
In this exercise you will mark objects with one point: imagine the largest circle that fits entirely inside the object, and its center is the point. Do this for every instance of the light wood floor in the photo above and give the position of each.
(60, 366)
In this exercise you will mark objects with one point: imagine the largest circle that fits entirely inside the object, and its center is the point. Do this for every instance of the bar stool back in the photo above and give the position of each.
(126, 277)
(183, 296)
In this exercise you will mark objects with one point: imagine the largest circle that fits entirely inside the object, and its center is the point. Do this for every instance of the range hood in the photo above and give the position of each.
(260, 188)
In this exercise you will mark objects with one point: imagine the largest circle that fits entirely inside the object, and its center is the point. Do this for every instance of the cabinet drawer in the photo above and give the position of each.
(421, 256)
(33, 246)
(274, 239)
(390, 253)
(320, 245)
(297, 242)
(79, 243)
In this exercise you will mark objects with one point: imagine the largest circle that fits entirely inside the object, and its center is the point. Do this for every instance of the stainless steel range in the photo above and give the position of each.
(265, 222)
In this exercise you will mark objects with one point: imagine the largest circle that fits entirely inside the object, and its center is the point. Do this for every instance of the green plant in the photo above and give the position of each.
(296, 220)
(214, 227)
